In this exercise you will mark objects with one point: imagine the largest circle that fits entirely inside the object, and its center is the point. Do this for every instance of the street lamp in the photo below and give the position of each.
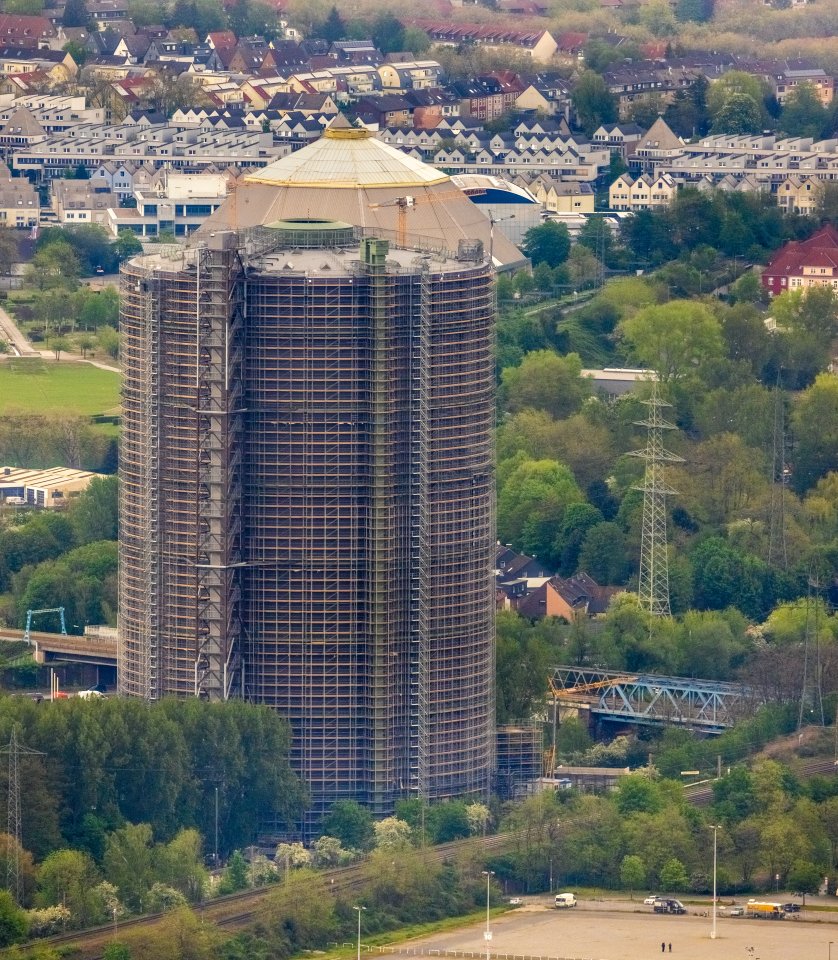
(829, 952)
(360, 911)
(487, 936)
(715, 827)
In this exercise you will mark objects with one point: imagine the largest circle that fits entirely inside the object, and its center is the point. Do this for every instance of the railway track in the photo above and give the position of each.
(236, 910)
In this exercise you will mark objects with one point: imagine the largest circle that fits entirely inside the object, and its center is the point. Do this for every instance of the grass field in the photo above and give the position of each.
(42, 386)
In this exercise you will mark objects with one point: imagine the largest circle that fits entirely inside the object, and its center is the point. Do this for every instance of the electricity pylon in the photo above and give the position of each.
(653, 586)
(13, 821)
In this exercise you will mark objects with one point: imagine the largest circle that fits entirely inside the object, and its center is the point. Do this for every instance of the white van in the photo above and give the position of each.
(565, 900)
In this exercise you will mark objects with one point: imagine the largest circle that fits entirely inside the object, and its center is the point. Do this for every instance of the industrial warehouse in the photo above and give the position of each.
(307, 477)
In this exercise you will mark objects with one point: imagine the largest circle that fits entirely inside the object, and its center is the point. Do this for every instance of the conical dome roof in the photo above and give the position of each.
(346, 156)
(351, 176)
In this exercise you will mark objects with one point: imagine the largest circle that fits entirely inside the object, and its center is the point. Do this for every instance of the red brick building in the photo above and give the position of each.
(807, 263)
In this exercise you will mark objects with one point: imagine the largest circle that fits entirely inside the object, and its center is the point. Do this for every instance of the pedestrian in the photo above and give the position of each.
(670, 948)
(663, 946)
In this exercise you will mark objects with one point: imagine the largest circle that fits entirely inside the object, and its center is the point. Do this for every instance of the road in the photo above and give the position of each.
(607, 930)
(21, 347)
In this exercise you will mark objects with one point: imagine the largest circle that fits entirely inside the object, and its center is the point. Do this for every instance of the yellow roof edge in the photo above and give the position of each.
(344, 184)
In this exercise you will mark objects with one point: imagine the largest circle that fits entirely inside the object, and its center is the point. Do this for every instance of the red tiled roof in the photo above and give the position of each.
(820, 250)
(16, 28)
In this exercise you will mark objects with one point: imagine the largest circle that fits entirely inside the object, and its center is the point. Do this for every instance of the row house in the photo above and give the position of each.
(560, 196)
(487, 97)
(620, 138)
(539, 45)
(799, 195)
(657, 146)
(643, 193)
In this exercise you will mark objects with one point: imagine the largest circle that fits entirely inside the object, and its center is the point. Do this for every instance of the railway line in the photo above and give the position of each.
(236, 910)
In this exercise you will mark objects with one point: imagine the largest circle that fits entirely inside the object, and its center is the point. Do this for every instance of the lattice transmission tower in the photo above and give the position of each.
(13, 819)
(653, 587)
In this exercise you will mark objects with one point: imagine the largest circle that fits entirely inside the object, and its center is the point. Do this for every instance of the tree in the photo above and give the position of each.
(127, 244)
(522, 661)
(734, 82)
(803, 114)
(75, 14)
(674, 875)
(545, 380)
(69, 878)
(603, 554)
(815, 424)
(236, 876)
(128, 863)
(391, 833)
(388, 33)
(108, 340)
(632, 873)
(94, 513)
(593, 102)
(448, 821)
(738, 114)
(78, 51)
(328, 852)
(58, 345)
(54, 266)
(547, 243)
(531, 504)
(805, 877)
(333, 27)
(638, 794)
(85, 343)
(350, 823)
(13, 924)
(674, 339)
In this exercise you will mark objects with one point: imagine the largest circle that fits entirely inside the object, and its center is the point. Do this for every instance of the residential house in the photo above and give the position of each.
(81, 201)
(562, 196)
(57, 65)
(799, 194)
(620, 138)
(804, 263)
(643, 193)
(658, 145)
(387, 110)
(409, 75)
(567, 599)
(29, 32)
(539, 45)
(105, 13)
(19, 203)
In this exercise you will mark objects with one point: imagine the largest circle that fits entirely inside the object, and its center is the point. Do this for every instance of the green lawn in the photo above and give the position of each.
(42, 386)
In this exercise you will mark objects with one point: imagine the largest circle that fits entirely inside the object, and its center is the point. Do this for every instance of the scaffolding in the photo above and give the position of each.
(219, 382)
(326, 501)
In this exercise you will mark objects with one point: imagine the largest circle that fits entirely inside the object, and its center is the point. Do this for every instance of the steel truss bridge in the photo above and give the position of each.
(706, 705)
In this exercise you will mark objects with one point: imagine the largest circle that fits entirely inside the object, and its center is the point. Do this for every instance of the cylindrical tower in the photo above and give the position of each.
(307, 482)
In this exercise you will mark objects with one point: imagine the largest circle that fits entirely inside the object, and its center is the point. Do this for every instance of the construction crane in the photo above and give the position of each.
(582, 689)
(408, 203)
(404, 204)
(576, 694)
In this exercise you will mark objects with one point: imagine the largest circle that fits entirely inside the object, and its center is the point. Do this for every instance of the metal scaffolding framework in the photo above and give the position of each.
(653, 585)
(324, 498)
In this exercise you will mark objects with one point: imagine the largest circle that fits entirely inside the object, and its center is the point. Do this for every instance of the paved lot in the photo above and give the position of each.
(633, 932)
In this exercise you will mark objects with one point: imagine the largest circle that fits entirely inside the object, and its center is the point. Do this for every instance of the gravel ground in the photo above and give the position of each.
(629, 931)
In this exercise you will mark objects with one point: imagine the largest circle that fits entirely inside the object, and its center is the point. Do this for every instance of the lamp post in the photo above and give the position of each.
(829, 950)
(487, 936)
(360, 911)
(715, 827)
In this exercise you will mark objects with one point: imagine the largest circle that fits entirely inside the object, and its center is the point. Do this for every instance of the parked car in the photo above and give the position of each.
(791, 907)
(515, 902)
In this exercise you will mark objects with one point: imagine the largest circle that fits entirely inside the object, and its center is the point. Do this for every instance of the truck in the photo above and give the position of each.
(668, 905)
(564, 900)
(763, 909)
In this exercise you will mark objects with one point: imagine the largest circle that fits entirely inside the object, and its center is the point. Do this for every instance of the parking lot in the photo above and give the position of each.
(604, 930)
